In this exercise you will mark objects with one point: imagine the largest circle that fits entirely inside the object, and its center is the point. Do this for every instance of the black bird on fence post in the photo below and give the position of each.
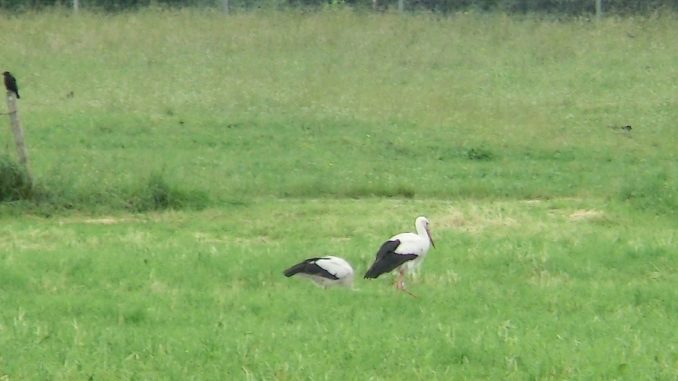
(10, 83)
(13, 112)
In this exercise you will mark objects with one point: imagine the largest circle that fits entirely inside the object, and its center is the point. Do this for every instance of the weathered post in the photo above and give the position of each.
(401, 6)
(76, 6)
(599, 9)
(225, 6)
(21, 151)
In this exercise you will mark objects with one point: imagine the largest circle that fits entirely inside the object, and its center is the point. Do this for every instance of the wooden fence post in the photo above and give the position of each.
(21, 151)
(76, 6)
(599, 9)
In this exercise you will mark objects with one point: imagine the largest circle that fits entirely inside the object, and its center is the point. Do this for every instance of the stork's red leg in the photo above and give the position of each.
(400, 283)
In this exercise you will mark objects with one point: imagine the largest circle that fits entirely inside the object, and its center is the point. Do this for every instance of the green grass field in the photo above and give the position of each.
(183, 159)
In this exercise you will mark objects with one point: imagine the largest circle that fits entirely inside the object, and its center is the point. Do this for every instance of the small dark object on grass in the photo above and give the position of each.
(625, 128)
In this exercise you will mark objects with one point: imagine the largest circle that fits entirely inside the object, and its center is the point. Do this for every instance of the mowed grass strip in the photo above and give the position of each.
(556, 289)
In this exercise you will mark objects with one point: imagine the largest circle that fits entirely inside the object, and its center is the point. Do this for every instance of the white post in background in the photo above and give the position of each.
(225, 6)
(599, 9)
(76, 5)
(401, 6)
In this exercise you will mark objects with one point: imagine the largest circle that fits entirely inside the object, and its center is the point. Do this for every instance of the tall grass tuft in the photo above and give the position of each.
(14, 181)
(158, 194)
(479, 153)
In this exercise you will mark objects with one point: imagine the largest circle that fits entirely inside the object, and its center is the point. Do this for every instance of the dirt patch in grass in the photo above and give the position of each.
(586, 215)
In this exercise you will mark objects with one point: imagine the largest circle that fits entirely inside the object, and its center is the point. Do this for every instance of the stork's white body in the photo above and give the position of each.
(325, 271)
(411, 243)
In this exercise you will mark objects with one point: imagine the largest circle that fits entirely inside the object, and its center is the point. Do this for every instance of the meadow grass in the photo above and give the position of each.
(268, 137)
(514, 290)
(344, 104)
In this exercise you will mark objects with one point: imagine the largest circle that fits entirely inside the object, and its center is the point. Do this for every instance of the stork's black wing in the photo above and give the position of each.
(309, 267)
(387, 259)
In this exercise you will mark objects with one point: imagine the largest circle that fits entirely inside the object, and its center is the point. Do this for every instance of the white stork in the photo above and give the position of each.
(325, 271)
(404, 251)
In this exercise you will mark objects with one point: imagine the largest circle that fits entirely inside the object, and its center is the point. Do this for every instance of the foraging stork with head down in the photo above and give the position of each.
(325, 271)
(404, 251)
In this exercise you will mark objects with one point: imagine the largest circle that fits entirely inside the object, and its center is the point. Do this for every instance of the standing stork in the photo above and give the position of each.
(325, 271)
(404, 251)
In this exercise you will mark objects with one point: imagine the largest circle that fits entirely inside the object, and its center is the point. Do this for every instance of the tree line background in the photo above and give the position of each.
(559, 7)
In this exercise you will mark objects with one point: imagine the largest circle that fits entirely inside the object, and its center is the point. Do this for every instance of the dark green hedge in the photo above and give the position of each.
(561, 7)
(566, 7)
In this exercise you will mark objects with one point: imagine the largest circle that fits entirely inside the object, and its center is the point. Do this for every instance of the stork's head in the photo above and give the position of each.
(422, 224)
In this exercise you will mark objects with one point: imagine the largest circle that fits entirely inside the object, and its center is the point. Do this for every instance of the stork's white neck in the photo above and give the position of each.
(422, 228)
